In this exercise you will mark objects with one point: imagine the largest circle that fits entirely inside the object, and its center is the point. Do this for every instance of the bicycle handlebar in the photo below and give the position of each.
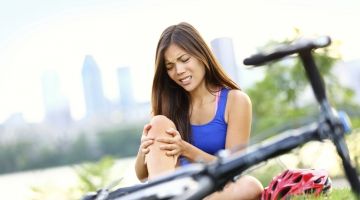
(303, 48)
(285, 50)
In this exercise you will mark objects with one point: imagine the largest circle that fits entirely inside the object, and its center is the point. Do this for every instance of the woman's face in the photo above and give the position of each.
(183, 68)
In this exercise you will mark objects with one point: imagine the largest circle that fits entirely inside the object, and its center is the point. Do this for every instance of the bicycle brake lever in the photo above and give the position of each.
(104, 192)
(345, 121)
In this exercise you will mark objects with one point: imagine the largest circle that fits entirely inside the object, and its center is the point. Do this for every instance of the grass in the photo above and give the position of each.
(335, 194)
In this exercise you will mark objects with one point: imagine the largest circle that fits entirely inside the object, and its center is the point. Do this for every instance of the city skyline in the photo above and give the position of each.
(58, 113)
(38, 36)
(56, 106)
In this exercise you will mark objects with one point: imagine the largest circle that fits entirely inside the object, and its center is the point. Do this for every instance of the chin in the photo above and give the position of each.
(188, 88)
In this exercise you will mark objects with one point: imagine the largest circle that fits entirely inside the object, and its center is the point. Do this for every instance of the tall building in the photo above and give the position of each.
(224, 51)
(126, 97)
(93, 88)
(57, 109)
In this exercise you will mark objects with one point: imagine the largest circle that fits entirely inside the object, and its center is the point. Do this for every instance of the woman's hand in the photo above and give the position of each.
(174, 146)
(146, 141)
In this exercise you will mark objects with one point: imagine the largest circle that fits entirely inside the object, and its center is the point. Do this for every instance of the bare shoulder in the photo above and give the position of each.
(238, 104)
(239, 97)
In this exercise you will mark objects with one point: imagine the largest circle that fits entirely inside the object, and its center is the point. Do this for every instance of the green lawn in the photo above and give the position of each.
(342, 194)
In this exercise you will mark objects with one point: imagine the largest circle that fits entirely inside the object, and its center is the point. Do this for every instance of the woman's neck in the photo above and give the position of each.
(202, 96)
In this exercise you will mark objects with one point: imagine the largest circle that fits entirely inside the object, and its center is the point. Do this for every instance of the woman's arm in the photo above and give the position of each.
(193, 154)
(140, 163)
(140, 167)
(238, 115)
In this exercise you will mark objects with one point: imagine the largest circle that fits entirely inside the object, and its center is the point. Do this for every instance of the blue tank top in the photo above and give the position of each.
(211, 137)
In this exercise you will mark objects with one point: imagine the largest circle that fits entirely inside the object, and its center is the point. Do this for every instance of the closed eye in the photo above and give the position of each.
(185, 59)
(169, 66)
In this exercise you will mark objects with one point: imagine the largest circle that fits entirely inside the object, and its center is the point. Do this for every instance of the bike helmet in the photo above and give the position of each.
(297, 182)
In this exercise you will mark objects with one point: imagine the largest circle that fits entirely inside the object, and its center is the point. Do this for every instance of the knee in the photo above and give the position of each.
(249, 188)
(256, 187)
(159, 124)
(160, 119)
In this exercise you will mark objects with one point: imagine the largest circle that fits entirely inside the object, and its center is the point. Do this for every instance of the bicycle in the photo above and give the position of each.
(198, 180)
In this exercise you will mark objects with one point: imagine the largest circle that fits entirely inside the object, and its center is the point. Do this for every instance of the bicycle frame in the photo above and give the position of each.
(196, 181)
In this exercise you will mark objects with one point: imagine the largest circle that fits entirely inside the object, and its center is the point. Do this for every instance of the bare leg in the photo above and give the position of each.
(157, 161)
(245, 188)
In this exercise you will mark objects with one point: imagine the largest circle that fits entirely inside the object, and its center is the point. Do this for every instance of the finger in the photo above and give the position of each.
(145, 151)
(144, 139)
(172, 132)
(172, 152)
(146, 144)
(146, 129)
(168, 147)
(165, 140)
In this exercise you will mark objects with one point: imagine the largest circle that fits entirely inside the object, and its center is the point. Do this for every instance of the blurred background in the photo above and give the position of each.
(75, 83)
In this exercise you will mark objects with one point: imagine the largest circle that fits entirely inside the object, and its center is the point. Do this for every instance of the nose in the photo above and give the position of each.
(180, 68)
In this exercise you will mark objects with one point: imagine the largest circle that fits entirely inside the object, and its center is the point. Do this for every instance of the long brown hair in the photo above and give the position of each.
(170, 99)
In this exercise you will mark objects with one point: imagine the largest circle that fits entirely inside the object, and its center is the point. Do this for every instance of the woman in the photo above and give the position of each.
(198, 110)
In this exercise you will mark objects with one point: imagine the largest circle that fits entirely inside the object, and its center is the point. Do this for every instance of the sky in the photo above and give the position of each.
(40, 35)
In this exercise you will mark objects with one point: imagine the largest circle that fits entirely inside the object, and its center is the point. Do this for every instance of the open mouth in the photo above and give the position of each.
(186, 80)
